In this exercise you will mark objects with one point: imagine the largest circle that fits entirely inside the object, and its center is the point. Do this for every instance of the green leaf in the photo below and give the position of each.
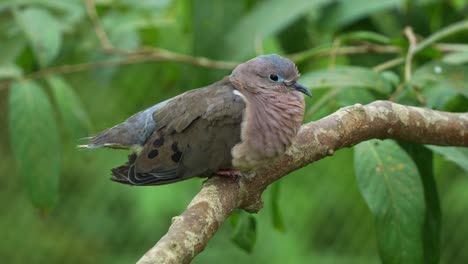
(209, 21)
(457, 155)
(12, 43)
(265, 19)
(365, 35)
(10, 72)
(145, 5)
(346, 12)
(431, 235)
(277, 218)
(348, 97)
(43, 32)
(459, 4)
(245, 232)
(460, 57)
(440, 82)
(386, 22)
(391, 186)
(346, 77)
(391, 77)
(271, 45)
(70, 12)
(35, 142)
(72, 112)
(122, 28)
(437, 96)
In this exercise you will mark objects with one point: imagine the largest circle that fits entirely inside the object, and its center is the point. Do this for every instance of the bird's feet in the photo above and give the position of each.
(229, 173)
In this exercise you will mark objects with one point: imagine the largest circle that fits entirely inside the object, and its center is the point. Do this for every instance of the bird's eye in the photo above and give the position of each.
(274, 77)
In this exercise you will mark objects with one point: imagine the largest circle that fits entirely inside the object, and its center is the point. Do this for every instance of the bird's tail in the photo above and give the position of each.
(115, 137)
(130, 134)
(120, 174)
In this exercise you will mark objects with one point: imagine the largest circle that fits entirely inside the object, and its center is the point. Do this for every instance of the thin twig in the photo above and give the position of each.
(80, 67)
(100, 32)
(411, 50)
(388, 64)
(450, 47)
(397, 92)
(333, 54)
(147, 54)
(326, 50)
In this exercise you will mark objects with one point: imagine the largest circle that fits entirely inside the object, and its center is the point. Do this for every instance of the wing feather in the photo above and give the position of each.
(193, 136)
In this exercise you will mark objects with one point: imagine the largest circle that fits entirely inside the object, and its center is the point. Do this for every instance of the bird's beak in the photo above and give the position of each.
(301, 88)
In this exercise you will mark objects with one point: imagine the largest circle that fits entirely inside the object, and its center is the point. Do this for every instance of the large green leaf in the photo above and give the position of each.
(122, 28)
(35, 142)
(431, 234)
(72, 112)
(440, 82)
(457, 155)
(266, 18)
(346, 77)
(346, 12)
(43, 32)
(460, 57)
(391, 186)
(209, 21)
(348, 97)
(12, 43)
(71, 10)
(68, 12)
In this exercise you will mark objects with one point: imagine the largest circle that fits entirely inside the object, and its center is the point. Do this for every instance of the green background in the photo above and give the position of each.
(85, 218)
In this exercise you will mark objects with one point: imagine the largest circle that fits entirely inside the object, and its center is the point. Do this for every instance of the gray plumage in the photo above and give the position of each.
(241, 122)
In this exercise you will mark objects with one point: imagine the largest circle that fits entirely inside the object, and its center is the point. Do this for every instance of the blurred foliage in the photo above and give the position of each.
(60, 206)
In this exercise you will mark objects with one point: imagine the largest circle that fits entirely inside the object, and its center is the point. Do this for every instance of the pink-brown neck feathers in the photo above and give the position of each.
(274, 109)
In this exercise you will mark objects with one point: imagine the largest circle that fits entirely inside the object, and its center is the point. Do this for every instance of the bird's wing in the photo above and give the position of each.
(194, 135)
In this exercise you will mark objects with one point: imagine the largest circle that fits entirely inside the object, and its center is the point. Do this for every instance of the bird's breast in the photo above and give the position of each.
(271, 122)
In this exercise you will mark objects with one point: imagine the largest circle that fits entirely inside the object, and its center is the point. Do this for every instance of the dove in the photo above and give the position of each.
(242, 122)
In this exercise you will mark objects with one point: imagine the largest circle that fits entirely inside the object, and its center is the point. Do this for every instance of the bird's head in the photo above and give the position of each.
(268, 73)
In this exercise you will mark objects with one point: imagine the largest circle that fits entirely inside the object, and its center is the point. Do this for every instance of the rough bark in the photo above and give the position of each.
(191, 231)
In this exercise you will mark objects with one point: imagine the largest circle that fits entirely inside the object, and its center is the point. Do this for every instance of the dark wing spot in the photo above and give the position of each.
(174, 147)
(176, 156)
(158, 142)
(177, 153)
(153, 154)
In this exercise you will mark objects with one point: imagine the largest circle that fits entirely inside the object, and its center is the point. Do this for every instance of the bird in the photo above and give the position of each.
(244, 121)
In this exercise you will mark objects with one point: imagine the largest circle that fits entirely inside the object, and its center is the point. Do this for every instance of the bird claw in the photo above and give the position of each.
(229, 173)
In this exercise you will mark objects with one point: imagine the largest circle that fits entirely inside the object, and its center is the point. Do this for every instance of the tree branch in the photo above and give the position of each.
(191, 231)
